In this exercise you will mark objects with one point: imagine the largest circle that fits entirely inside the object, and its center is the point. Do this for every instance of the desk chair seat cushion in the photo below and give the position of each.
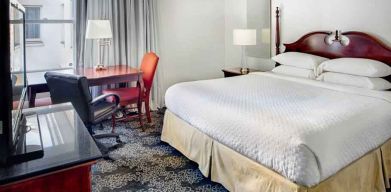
(126, 95)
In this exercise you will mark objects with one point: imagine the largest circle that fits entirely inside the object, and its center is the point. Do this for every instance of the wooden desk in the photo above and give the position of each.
(112, 75)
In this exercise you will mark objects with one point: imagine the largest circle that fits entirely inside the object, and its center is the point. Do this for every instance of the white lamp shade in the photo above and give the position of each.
(98, 29)
(245, 37)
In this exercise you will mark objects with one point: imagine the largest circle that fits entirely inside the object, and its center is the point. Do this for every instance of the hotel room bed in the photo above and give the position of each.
(286, 123)
(269, 132)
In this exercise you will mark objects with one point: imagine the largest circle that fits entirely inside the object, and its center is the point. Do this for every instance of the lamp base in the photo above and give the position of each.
(100, 67)
(244, 70)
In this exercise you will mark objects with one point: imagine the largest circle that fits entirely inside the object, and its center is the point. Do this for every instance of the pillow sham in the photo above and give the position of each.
(355, 81)
(356, 66)
(301, 60)
(294, 71)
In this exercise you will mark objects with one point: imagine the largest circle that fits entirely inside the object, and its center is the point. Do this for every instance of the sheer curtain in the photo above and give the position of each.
(134, 26)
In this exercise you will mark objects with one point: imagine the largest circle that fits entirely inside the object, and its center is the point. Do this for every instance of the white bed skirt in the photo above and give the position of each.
(189, 141)
(239, 173)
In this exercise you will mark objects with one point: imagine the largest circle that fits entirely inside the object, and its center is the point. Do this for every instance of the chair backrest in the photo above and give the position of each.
(148, 66)
(70, 88)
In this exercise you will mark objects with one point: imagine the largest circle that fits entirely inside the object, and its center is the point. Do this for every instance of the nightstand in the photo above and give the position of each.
(232, 72)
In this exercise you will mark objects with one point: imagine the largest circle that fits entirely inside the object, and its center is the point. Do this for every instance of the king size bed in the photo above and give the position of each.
(271, 132)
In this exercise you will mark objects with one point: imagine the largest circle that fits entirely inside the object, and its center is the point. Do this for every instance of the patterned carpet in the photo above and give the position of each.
(144, 163)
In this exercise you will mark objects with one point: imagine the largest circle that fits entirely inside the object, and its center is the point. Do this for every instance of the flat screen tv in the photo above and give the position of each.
(13, 85)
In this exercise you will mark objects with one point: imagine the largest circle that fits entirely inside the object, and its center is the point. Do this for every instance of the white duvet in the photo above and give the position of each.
(303, 129)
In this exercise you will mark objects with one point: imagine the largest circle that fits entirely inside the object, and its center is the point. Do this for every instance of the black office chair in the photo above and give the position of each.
(75, 89)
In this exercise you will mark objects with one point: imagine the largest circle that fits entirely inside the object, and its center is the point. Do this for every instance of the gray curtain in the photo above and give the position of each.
(80, 28)
(134, 27)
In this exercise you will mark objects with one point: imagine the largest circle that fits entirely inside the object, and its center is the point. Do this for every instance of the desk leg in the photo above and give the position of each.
(32, 94)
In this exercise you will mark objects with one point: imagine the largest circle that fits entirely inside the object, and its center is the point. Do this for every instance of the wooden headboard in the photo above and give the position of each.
(361, 45)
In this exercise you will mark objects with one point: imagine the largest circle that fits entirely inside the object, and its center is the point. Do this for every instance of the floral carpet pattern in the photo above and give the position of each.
(144, 163)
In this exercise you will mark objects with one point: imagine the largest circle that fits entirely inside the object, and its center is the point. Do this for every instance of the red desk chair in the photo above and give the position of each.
(131, 95)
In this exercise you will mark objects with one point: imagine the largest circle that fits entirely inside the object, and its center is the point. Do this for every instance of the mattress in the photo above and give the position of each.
(303, 129)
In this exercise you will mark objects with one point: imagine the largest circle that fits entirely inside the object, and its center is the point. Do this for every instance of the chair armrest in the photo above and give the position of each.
(104, 97)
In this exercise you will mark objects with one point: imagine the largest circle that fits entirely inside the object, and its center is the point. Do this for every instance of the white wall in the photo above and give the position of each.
(191, 39)
(247, 14)
(258, 17)
(303, 16)
(196, 38)
(235, 18)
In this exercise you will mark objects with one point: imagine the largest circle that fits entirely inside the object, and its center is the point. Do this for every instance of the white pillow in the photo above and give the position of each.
(356, 66)
(294, 71)
(301, 60)
(355, 81)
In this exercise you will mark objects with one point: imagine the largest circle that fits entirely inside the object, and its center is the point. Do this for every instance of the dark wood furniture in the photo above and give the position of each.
(69, 153)
(232, 72)
(112, 75)
(361, 45)
(74, 179)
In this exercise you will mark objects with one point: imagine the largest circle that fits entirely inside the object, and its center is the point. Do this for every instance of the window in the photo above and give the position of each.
(33, 30)
(16, 37)
(16, 30)
(49, 34)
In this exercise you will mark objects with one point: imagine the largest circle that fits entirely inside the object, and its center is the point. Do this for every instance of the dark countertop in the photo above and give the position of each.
(66, 142)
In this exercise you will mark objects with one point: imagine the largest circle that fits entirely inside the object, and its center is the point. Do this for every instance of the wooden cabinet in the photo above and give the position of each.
(75, 179)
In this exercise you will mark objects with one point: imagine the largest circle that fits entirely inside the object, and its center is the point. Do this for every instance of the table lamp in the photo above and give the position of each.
(245, 37)
(100, 30)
